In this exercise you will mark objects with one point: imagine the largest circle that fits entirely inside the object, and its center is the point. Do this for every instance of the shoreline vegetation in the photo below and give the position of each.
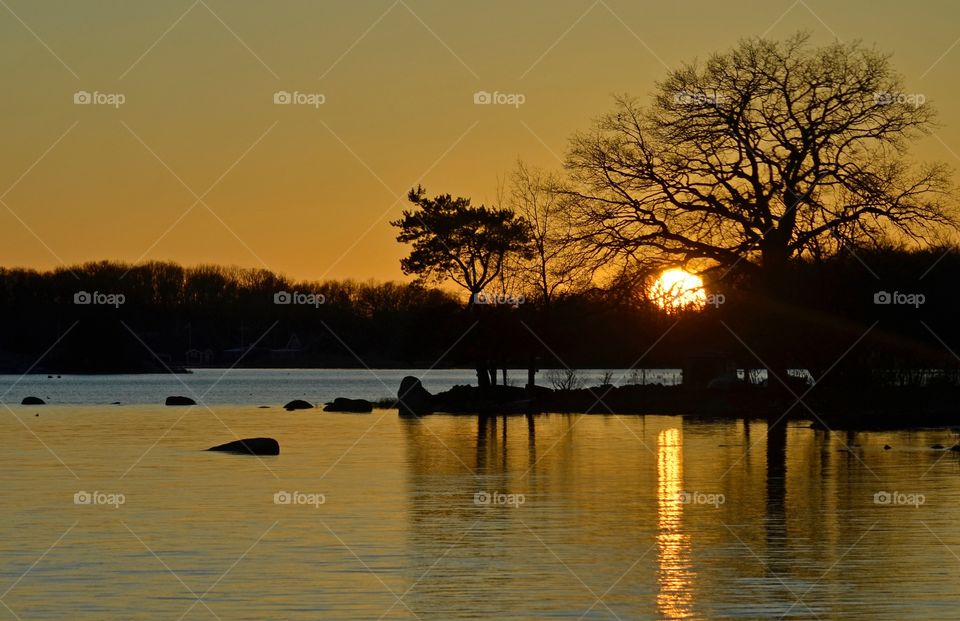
(173, 318)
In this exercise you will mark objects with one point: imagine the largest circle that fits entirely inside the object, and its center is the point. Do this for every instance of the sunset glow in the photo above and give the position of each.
(678, 289)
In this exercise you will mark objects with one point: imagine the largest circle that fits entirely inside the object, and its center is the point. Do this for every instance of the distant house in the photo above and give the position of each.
(199, 357)
(294, 343)
(292, 348)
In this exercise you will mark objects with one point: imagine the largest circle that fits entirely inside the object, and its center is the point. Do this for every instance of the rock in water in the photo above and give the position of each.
(298, 404)
(341, 404)
(412, 398)
(250, 446)
(32, 401)
(177, 400)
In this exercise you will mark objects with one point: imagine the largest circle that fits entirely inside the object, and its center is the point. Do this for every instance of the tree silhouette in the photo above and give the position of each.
(455, 241)
(768, 152)
(554, 264)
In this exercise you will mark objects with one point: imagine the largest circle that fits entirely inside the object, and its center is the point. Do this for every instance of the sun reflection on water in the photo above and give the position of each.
(674, 576)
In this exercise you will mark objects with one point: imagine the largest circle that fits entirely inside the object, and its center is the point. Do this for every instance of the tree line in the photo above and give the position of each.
(228, 316)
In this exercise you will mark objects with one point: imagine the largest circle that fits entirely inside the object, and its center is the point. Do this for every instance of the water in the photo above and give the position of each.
(547, 517)
(271, 386)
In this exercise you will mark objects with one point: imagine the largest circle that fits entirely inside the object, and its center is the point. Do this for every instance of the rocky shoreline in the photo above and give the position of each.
(878, 407)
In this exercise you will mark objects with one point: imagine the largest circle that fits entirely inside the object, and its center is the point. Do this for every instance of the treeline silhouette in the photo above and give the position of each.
(826, 319)
(220, 315)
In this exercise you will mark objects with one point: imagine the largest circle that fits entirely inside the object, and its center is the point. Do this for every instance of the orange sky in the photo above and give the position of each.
(307, 190)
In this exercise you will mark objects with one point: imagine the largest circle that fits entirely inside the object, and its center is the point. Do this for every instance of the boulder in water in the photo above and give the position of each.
(249, 446)
(298, 404)
(412, 398)
(32, 401)
(179, 400)
(341, 404)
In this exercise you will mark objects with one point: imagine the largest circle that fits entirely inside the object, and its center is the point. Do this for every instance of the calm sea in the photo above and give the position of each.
(116, 512)
(276, 386)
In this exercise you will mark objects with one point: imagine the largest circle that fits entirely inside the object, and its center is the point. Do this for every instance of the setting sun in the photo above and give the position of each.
(677, 289)
(525, 241)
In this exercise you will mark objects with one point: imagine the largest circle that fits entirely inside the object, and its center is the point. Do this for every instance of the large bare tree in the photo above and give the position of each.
(765, 153)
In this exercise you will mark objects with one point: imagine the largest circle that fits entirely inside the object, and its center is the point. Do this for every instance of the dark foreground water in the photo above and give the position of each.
(114, 512)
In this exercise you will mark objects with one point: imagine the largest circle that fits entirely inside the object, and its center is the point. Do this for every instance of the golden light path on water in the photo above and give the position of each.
(601, 532)
(674, 578)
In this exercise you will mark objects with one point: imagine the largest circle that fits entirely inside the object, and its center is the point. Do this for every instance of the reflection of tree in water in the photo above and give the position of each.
(493, 451)
(467, 550)
(777, 554)
(674, 574)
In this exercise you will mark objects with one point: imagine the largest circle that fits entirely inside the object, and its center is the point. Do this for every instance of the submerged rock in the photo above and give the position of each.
(249, 446)
(342, 404)
(887, 447)
(179, 400)
(412, 398)
(298, 404)
(33, 401)
(955, 448)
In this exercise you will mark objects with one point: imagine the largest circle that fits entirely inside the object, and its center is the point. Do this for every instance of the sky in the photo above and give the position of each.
(184, 155)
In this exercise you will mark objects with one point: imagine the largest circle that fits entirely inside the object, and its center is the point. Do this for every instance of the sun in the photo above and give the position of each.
(677, 289)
